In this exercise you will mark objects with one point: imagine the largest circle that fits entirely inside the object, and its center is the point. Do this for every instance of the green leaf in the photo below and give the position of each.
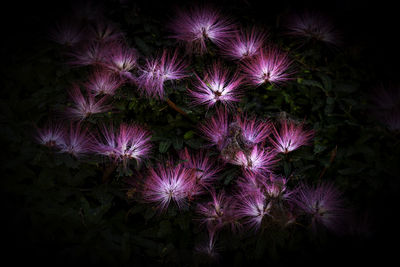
(188, 134)
(164, 145)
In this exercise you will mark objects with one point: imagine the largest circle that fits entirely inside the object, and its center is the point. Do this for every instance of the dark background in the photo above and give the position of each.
(370, 28)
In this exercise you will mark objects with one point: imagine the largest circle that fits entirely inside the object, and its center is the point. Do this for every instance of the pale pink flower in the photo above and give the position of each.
(216, 128)
(102, 82)
(217, 85)
(104, 32)
(258, 160)
(269, 66)
(199, 24)
(77, 141)
(88, 54)
(84, 106)
(51, 134)
(167, 67)
(253, 131)
(290, 137)
(121, 59)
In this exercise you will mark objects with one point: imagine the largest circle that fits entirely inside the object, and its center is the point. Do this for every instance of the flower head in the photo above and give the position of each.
(290, 137)
(323, 203)
(252, 207)
(312, 26)
(166, 183)
(121, 59)
(77, 141)
(253, 131)
(68, 33)
(246, 44)
(216, 128)
(269, 65)
(158, 70)
(103, 82)
(208, 248)
(200, 24)
(216, 86)
(92, 53)
(104, 32)
(258, 160)
(129, 142)
(204, 167)
(84, 106)
(51, 135)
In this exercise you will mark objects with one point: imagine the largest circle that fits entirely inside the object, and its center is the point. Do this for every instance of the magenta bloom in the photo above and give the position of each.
(68, 33)
(253, 130)
(290, 137)
(270, 66)
(51, 135)
(168, 182)
(246, 44)
(105, 32)
(276, 187)
(197, 25)
(217, 86)
(251, 181)
(121, 59)
(216, 128)
(76, 141)
(312, 26)
(92, 53)
(84, 106)
(204, 167)
(102, 82)
(129, 142)
(217, 212)
(258, 160)
(323, 203)
(252, 207)
(156, 71)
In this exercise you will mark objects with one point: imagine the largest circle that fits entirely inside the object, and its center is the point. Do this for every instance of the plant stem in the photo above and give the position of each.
(175, 107)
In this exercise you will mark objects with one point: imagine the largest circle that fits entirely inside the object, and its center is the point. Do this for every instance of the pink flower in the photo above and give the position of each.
(68, 33)
(129, 142)
(246, 44)
(168, 183)
(204, 167)
(216, 128)
(102, 82)
(312, 26)
(270, 66)
(104, 32)
(253, 130)
(323, 202)
(290, 137)
(217, 212)
(276, 187)
(92, 53)
(252, 207)
(216, 86)
(199, 24)
(85, 106)
(251, 181)
(258, 160)
(76, 141)
(51, 135)
(121, 59)
(157, 71)
(208, 248)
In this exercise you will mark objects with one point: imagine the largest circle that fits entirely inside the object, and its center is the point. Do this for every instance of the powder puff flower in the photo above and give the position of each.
(290, 137)
(312, 26)
(252, 207)
(258, 160)
(216, 86)
(251, 181)
(208, 248)
(121, 59)
(216, 128)
(217, 212)
(51, 135)
(88, 54)
(270, 66)
(246, 44)
(276, 187)
(104, 32)
(168, 183)
(85, 106)
(323, 203)
(204, 167)
(158, 70)
(103, 82)
(68, 33)
(200, 24)
(77, 141)
(129, 142)
(253, 131)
